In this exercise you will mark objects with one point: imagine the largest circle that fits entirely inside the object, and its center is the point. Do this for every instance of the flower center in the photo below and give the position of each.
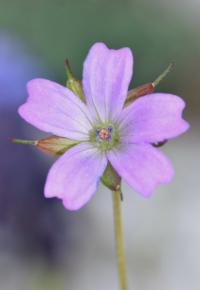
(104, 133)
(105, 137)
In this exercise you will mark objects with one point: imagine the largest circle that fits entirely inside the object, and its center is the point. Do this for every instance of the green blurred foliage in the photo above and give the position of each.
(156, 31)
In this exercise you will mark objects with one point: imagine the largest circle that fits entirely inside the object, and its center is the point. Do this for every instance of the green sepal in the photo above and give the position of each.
(72, 83)
(55, 145)
(138, 92)
(110, 178)
(51, 144)
(147, 88)
(159, 144)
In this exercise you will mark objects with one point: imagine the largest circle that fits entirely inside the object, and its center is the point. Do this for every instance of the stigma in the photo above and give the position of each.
(104, 134)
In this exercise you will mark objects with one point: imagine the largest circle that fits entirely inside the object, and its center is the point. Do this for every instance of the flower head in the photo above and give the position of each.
(103, 129)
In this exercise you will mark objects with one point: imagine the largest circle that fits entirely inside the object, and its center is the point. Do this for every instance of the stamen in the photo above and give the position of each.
(104, 134)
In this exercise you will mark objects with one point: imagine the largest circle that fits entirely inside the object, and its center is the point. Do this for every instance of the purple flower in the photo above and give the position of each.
(104, 129)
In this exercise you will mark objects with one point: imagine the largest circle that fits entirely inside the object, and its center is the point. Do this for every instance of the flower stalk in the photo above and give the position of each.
(119, 242)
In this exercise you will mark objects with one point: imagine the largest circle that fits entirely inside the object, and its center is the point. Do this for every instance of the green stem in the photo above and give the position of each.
(119, 243)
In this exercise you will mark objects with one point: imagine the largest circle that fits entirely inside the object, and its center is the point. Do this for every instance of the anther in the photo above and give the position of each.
(104, 134)
(110, 129)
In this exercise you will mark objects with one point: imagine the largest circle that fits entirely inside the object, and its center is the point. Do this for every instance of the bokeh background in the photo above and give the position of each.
(43, 246)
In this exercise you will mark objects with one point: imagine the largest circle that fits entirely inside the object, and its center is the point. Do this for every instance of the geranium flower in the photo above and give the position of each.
(104, 129)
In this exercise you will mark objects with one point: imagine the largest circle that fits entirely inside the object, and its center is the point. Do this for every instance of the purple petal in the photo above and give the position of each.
(106, 77)
(141, 166)
(53, 108)
(75, 175)
(153, 118)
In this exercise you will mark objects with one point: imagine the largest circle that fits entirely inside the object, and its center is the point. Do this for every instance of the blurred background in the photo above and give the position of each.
(43, 246)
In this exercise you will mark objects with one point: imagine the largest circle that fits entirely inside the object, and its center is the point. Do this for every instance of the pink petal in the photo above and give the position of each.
(53, 108)
(75, 175)
(106, 77)
(153, 118)
(142, 166)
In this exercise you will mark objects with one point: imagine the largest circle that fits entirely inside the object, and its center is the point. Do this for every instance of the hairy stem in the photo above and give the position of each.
(119, 243)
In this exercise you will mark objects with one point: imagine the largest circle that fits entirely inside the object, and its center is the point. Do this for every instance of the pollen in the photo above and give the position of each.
(104, 134)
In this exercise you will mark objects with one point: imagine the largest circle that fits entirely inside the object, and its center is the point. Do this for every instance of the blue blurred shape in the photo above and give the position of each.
(17, 66)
